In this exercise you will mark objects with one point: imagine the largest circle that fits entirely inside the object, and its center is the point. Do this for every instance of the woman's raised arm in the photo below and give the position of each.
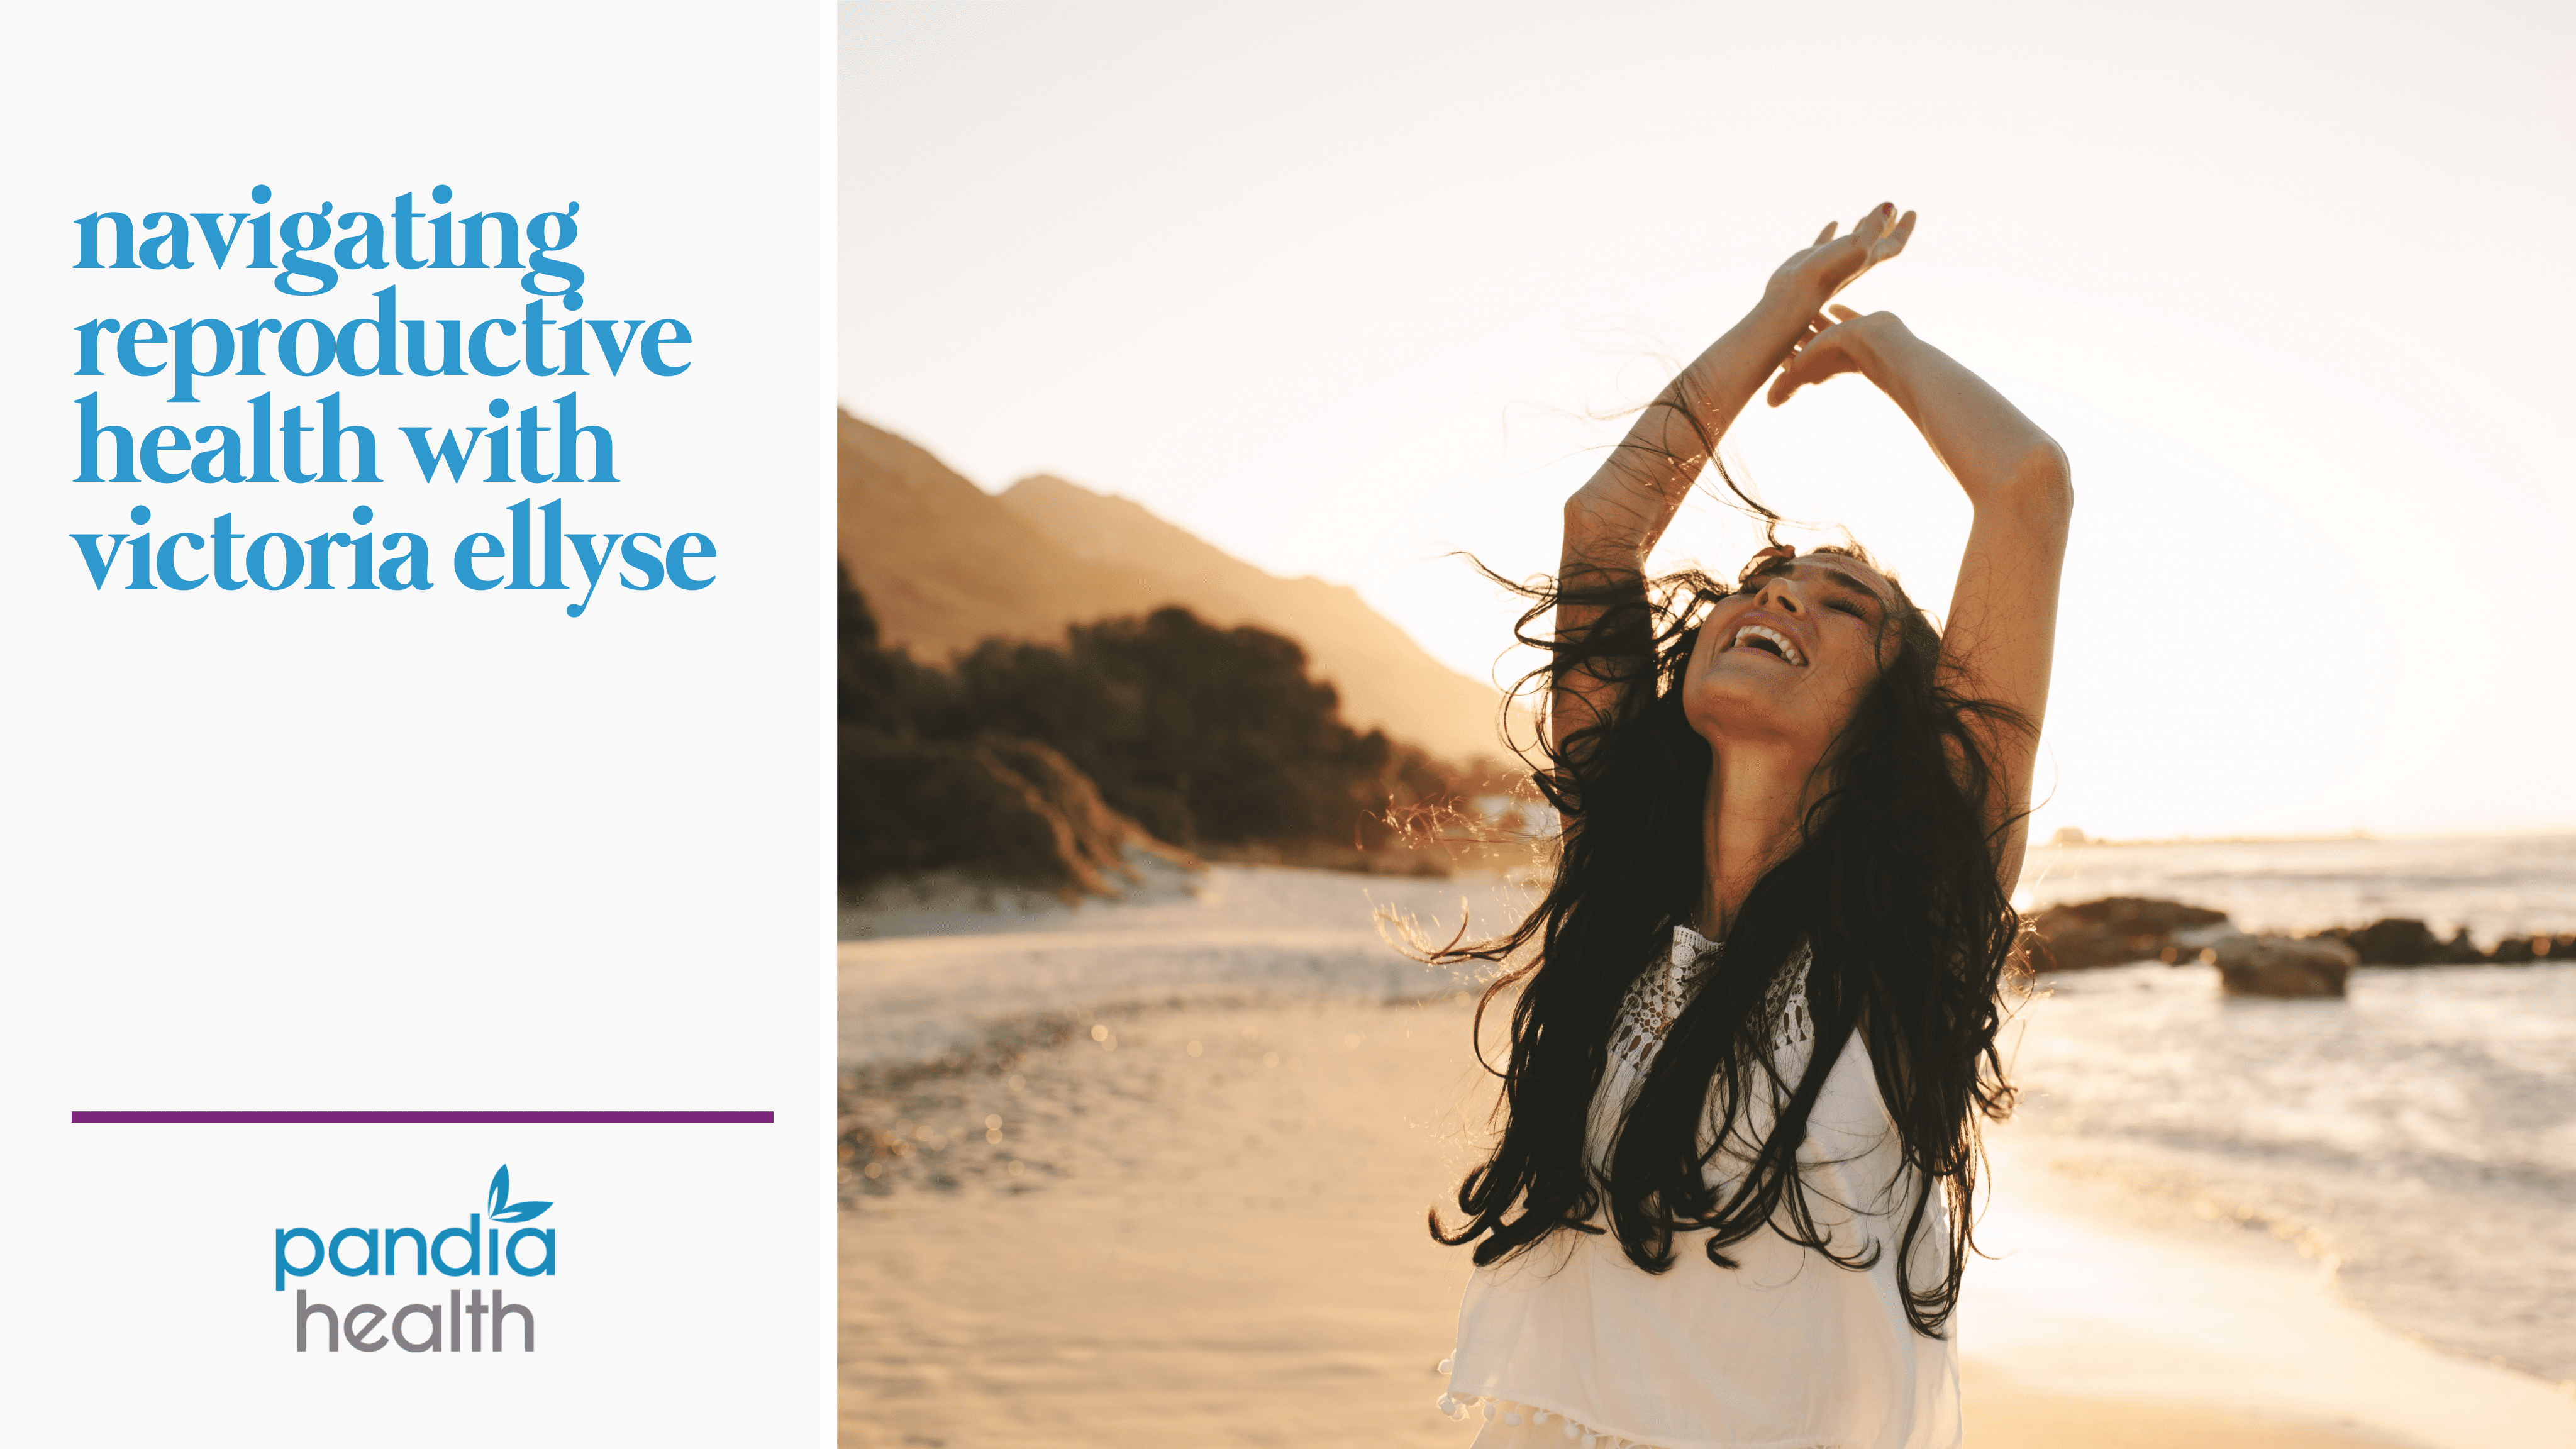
(1613, 521)
(2002, 629)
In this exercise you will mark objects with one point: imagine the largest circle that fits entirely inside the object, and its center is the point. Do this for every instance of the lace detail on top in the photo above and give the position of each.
(1785, 1004)
(1657, 999)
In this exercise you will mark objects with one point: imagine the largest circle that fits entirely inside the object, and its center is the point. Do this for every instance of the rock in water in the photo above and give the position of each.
(2110, 932)
(2280, 966)
(2397, 942)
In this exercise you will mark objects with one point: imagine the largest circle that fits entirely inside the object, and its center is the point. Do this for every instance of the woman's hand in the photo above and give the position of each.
(1832, 263)
(1845, 341)
(2001, 638)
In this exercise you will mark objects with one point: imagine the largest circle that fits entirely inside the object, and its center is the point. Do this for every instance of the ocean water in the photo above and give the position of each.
(2418, 1138)
(2505, 885)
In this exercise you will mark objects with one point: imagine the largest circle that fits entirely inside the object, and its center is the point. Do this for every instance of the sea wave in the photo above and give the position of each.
(2420, 1136)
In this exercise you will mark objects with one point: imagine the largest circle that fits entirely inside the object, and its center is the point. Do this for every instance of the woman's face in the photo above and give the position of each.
(1783, 661)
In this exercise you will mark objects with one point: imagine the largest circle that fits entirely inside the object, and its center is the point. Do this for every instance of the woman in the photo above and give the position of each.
(1755, 1020)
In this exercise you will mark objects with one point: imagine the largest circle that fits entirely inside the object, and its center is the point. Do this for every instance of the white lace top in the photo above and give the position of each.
(1571, 1343)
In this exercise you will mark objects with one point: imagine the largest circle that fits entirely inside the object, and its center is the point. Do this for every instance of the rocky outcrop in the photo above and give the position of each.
(2119, 930)
(2398, 941)
(2524, 950)
(2271, 965)
(2111, 932)
(1094, 848)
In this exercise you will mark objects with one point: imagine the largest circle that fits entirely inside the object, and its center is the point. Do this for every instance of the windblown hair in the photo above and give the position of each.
(1891, 883)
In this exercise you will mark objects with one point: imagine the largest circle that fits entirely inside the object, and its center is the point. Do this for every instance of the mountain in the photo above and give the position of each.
(944, 564)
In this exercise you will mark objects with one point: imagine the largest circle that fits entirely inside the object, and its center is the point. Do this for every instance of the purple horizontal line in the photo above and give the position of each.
(476, 1118)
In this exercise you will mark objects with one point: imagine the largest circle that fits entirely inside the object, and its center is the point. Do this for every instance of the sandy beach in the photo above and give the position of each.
(1157, 1197)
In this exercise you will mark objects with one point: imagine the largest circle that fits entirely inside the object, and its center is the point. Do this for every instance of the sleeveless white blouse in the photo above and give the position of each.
(1572, 1344)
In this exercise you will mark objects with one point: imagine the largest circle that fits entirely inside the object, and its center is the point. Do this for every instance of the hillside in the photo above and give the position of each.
(944, 564)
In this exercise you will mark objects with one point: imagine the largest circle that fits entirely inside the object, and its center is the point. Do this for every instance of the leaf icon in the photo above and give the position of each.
(502, 1210)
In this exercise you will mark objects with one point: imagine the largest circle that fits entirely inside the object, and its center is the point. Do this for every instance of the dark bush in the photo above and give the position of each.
(911, 805)
(1204, 735)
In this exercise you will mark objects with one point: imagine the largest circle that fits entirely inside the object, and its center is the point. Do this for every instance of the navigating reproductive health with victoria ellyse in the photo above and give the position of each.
(295, 389)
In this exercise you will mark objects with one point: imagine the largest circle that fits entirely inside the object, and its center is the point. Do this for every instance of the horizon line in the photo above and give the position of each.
(2561, 832)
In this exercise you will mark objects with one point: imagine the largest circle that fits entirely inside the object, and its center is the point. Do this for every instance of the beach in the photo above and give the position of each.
(1163, 1168)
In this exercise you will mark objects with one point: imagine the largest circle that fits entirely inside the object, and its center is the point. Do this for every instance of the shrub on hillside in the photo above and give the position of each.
(911, 805)
(1203, 734)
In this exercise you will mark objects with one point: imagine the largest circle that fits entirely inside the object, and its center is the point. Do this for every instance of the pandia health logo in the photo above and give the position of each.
(475, 1250)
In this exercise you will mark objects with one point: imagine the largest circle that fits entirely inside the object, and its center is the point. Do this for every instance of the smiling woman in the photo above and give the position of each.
(1755, 1012)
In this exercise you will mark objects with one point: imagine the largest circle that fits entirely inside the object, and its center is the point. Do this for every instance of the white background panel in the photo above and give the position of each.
(341, 849)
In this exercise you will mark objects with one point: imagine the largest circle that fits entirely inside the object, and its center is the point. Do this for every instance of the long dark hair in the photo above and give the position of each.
(1891, 884)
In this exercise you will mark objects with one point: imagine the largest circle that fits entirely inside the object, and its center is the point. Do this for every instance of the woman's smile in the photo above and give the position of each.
(1763, 639)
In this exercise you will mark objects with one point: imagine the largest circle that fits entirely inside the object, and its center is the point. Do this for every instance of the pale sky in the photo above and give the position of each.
(1340, 289)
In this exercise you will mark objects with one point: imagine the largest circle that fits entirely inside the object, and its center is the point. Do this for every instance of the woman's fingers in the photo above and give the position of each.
(1819, 357)
(1797, 374)
(1894, 241)
(1880, 234)
(1820, 324)
(1817, 326)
